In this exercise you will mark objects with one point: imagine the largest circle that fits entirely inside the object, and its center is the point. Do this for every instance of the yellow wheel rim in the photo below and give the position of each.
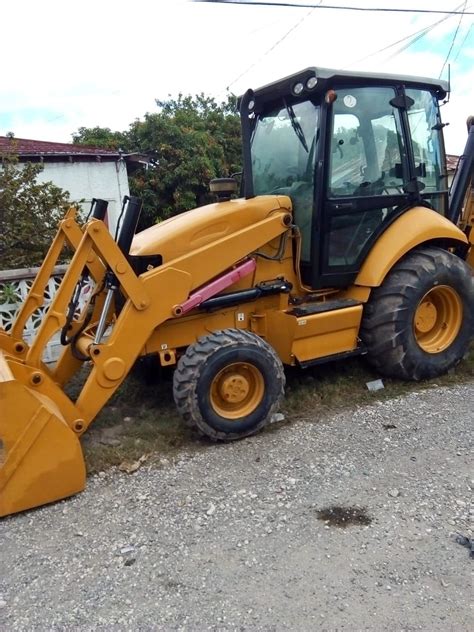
(438, 319)
(237, 390)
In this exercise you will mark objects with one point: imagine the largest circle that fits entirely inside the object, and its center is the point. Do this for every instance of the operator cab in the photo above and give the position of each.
(352, 151)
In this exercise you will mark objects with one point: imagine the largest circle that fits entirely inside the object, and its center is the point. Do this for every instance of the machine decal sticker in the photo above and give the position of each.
(350, 101)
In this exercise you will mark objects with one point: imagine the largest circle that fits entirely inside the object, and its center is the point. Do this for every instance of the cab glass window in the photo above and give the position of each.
(366, 144)
(425, 128)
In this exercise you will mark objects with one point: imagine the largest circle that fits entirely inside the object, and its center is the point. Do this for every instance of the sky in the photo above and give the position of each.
(103, 63)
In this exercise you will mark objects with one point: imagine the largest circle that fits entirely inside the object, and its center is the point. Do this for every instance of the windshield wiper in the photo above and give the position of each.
(295, 124)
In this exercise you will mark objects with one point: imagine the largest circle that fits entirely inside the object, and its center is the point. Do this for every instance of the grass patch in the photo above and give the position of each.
(343, 384)
(141, 417)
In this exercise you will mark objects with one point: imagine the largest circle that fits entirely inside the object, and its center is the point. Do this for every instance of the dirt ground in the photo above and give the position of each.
(243, 536)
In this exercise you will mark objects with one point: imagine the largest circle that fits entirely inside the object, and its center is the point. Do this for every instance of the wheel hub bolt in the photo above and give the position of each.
(235, 388)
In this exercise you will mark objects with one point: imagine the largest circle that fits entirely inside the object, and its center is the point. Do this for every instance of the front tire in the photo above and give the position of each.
(228, 384)
(418, 323)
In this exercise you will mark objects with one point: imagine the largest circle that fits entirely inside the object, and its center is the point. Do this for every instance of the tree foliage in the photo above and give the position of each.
(190, 140)
(100, 137)
(29, 213)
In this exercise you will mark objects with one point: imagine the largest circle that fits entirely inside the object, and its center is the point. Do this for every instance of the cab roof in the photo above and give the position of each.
(328, 76)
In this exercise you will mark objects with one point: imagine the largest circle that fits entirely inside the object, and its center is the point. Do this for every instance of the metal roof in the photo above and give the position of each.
(28, 148)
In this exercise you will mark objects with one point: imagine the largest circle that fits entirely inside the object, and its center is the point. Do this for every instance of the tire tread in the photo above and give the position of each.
(387, 316)
(190, 365)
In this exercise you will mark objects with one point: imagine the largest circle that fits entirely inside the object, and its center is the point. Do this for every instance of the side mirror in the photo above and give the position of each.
(397, 171)
(420, 170)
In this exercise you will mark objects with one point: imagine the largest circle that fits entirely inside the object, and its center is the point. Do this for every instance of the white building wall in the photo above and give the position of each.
(87, 180)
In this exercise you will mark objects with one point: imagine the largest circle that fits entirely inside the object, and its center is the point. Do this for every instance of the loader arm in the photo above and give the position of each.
(461, 195)
(95, 235)
(150, 301)
(463, 178)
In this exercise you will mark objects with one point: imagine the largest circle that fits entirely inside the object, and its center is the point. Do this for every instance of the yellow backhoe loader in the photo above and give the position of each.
(345, 240)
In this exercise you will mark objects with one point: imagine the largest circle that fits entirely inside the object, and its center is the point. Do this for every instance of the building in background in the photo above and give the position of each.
(451, 166)
(86, 172)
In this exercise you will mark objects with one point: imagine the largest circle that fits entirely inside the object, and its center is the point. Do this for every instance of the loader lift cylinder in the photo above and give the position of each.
(124, 241)
(112, 288)
(98, 211)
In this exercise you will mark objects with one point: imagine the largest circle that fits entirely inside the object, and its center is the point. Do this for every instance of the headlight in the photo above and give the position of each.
(298, 88)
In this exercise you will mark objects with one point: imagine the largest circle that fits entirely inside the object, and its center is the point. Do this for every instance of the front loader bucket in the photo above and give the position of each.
(40, 456)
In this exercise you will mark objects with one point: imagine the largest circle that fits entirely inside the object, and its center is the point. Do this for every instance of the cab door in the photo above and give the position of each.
(366, 168)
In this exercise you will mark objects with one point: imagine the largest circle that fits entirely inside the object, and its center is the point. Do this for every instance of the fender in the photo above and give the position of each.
(415, 227)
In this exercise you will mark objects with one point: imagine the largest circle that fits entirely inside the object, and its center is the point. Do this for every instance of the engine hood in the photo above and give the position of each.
(201, 226)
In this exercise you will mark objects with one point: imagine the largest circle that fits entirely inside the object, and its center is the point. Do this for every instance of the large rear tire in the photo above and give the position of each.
(418, 323)
(228, 384)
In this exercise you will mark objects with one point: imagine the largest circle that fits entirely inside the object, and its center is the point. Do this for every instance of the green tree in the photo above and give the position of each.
(100, 137)
(190, 140)
(29, 213)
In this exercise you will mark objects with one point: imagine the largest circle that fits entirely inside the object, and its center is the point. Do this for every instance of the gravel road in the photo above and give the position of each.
(228, 538)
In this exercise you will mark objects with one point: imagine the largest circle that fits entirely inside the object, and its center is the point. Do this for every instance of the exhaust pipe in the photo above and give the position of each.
(98, 209)
(130, 221)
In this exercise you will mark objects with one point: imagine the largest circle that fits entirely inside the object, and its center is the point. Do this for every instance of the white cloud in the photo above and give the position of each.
(104, 62)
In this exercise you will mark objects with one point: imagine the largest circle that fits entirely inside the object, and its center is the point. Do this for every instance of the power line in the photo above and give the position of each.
(418, 37)
(462, 43)
(299, 5)
(267, 52)
(413, 37)
(452, 41)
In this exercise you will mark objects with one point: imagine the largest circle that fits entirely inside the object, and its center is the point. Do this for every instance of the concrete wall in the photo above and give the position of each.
(87, 180)
(14, 288)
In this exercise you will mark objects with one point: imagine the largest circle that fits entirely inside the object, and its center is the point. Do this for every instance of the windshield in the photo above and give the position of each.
(283, 147)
